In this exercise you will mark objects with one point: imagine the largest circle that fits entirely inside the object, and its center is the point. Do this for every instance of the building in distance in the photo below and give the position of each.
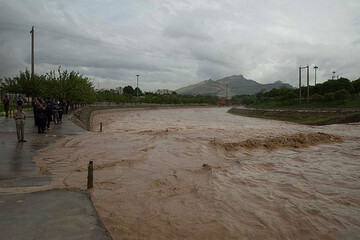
(118, 90)
(163, 91)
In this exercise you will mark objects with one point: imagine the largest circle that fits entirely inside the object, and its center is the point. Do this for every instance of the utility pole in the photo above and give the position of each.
(32, 50)
(307, 81)
(300, 85)
(300, 68)
(316, 67)
(227, 91)
(137, 85)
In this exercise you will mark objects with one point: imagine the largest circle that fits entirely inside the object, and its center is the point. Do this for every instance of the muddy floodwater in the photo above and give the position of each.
(202, 173)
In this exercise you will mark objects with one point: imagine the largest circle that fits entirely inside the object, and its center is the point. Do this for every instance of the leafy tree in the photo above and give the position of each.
(260, 95)
(30, 86)
(289, 96)
(341, 94)
(137, 92)
(329, 96)
(316, 96)
(356, 85)
(128, 90)
(72, 86)
(336, 85)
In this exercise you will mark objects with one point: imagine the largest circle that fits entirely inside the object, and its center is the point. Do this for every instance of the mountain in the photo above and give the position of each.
(236, 85)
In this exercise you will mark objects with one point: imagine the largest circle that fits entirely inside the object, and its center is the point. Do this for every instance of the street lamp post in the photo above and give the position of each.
(300, 85)
(137, 85)
(307, 83)
(316, 67)
(307, 80)
(32, 51)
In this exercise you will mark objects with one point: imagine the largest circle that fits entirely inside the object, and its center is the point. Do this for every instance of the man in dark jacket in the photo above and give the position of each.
(49, 114)
(40, 116)
(6, 103)
(19, 102)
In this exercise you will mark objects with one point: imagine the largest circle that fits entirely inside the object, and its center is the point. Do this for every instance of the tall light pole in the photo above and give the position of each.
(32, 51)
(300, 85)
(307, 80)
(316, 67)
(307, 83)
(137, 85)
(227, 91)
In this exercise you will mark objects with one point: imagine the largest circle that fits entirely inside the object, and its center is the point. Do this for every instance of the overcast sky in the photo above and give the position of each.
(172, 44)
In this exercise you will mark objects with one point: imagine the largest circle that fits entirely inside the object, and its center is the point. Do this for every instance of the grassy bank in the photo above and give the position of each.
(27, 108)
(314, 104)
(312, 117)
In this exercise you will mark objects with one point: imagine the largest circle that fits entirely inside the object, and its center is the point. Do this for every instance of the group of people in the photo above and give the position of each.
(48, 110)
(45, 111)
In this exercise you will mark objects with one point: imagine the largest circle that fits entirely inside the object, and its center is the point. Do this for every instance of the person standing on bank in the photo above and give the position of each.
(6, 103)
(19, 103)
(49, 115)
(55, 111)
(20, 122)
(40, 117)
(60, 110)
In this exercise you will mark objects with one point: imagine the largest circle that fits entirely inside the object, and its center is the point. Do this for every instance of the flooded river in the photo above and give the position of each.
(203, 173)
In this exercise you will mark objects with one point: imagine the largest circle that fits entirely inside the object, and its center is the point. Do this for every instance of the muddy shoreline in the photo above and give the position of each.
(302, 116)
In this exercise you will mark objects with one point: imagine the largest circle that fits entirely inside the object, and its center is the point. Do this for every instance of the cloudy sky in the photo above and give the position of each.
(172, 44)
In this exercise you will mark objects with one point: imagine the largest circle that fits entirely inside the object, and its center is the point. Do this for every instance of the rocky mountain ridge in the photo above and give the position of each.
(233, 85)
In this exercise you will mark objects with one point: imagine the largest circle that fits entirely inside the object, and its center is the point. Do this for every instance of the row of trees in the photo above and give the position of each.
(78, 89)
(152, 98)
(332, 90)
(71, 86)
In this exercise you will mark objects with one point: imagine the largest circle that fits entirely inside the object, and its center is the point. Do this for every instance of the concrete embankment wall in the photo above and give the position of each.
(83, 117)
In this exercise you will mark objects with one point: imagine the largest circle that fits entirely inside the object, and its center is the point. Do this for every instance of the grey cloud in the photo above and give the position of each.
(172, 44)
(187, 32)
(189, 25)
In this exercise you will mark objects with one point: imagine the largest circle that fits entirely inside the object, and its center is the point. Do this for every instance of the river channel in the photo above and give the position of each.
(202, 173)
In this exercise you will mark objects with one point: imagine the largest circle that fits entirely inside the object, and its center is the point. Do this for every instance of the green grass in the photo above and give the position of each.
(308, 119)
(319, 120)
(355, 103)
(13, 107)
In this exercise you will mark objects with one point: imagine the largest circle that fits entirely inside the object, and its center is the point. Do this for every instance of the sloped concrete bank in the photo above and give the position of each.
(303, 116)
(83, 117)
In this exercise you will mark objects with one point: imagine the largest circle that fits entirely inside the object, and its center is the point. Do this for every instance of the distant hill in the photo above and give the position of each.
(237, 85)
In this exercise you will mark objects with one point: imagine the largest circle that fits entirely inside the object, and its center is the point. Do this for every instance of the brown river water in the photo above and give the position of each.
(202, 173)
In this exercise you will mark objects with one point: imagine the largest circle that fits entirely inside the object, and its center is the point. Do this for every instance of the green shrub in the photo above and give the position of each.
(329, 97)
(316, 96)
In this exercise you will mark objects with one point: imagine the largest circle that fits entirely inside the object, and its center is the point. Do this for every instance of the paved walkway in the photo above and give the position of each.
(52, 214)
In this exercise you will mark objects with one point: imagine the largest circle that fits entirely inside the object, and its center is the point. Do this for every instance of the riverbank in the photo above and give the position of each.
(302, 116)
(83, 117)
(29, 199)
